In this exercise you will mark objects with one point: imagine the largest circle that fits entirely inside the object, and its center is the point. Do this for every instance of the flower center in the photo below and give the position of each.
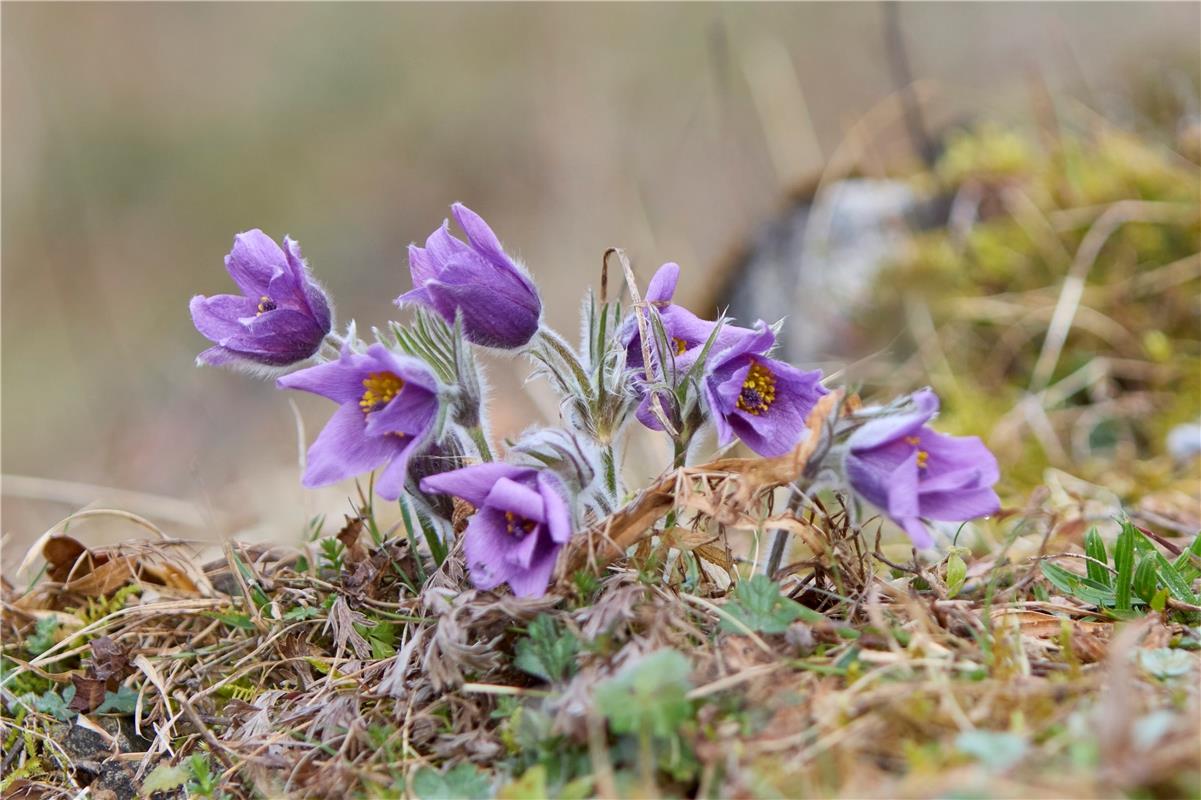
(517, 526)
(758, 390)
(266, 304)
(378, 390)
(923, 457)
(681, 346)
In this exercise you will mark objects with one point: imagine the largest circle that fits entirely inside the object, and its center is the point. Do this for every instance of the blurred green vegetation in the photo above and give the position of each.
(1030, 212)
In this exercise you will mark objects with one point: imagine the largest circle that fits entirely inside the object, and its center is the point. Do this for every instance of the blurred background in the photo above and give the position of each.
(139, 138)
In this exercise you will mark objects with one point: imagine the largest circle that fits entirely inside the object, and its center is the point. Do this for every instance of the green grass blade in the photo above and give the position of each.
(1094, 548)
(1123, 561)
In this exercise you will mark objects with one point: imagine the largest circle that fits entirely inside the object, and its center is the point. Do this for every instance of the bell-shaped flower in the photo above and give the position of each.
(499, 303)
(280, 318)
(521, 523)
(910, 472)
(762, 401)
(387, 407)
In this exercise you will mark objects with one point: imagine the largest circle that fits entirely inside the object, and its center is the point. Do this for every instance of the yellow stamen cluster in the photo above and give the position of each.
(758, 390)
(681, 346)
(923, 457)
(518, 526)
(378, 390)
(265, 304)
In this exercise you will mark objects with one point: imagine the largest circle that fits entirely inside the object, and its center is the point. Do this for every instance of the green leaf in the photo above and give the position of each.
(464, 781)
(649, 695)
(122, 701)
(1188, 563)
(530, 786)
(1144, 577)
(546, 652)
(1072, 584)
(1094, 548)
(956, 575)
(233, 619)
(1123, 561)
(758, 605)
(43, 636)
(56, 706)
(164, 778)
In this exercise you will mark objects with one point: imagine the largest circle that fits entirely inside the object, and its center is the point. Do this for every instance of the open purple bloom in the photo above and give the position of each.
(388, 404)
(521, 523)
(909, 471)
(279, 319)
(500, 304)
(762, 401)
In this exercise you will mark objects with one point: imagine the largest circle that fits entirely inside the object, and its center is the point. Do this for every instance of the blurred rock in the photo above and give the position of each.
(814, 262)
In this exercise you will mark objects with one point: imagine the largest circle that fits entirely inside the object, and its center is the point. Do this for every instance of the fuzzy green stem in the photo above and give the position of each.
(481, 442)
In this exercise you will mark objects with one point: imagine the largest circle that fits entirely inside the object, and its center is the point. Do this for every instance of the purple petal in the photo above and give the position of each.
(416, 297)
(411, 413)
(956, 453)
(896, 426)
(533, 581)
(499, 309)
(412, 370)
(510, 496)
(473, 483)
(221, 316)
(484, 545)
(219, 356)
(480, 235)
(558, 516)
(421, 265)
(918, 533)
(960, 504)
(390, 484)
(340, 381)
(254, 260)
(663, 284)
(343, 449)
(902, 490)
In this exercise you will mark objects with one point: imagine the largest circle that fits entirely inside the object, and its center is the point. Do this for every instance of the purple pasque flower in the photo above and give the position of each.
(499, 302)
(762, 401)
(387, 407)
(908, 471)
(280, 318)
(686, 332)
(521, 523)
(684, 329)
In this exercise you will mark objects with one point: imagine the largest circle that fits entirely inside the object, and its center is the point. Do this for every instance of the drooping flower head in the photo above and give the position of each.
(499, 302)
(909, 471)
(387, 407)
(279, 319)
(686, 333)
(521, 523)
(761, 400)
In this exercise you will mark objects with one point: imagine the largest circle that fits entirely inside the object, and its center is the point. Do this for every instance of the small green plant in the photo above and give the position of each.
(547, 652)
(464, 782)
(758, 605)
(1139, 575)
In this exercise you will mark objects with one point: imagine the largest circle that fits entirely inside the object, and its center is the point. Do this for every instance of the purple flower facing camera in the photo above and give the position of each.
(387, 408)
(521, 523)
(762, 401)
